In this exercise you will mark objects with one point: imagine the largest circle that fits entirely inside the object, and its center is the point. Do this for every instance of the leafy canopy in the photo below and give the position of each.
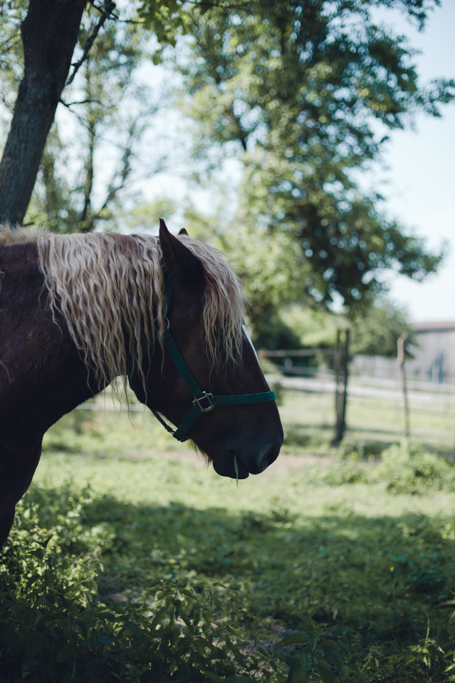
(374, 333)
(305, 92)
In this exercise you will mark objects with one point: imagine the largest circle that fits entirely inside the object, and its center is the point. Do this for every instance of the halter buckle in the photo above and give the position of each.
(205, 396)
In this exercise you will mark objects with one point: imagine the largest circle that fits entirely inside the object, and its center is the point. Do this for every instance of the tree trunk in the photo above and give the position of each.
(49, 35)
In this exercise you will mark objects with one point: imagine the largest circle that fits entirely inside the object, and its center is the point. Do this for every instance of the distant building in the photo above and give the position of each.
(434, 358)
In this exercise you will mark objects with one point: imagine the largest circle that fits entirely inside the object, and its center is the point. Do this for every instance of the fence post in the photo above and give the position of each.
(401, 358)
(341, 370)
(337, 364)
(345, 378)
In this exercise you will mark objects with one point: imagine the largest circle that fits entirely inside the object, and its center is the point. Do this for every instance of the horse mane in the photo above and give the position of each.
(109, 289)
(9, 235)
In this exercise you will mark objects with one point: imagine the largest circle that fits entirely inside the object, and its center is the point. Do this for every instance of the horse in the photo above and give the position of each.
(165, 314)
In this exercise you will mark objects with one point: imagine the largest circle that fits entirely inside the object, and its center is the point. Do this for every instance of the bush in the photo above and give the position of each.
(405, 468)
(54, 628)
(410, 469)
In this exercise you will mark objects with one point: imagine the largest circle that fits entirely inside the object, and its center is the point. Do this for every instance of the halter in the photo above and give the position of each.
(203, 401)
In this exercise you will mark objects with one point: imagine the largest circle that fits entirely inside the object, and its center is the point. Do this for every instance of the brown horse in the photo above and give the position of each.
(77, 311)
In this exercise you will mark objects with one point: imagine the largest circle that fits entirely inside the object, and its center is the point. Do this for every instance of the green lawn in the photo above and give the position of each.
(363, 545)
(309, 420)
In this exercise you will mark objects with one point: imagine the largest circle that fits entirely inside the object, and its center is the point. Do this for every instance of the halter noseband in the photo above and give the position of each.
(203, 402)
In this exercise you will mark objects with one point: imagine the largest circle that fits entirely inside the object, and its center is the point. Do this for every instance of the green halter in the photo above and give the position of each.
(203, 402)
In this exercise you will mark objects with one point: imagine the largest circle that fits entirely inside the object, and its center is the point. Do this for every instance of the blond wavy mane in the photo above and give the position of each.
(109, 288)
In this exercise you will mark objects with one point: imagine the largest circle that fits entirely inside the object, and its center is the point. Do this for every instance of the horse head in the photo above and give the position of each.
(235, 414)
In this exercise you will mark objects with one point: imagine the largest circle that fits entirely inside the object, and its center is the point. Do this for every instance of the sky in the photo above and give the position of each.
(421, 174)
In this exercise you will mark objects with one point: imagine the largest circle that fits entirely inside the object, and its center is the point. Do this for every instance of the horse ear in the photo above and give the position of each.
(182, 231)
(178, 259)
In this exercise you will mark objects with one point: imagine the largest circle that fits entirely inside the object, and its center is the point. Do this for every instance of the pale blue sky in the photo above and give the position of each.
(422, 174)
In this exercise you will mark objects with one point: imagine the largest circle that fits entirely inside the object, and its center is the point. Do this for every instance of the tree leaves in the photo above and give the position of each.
(165, 17)
(51, 628)
(297, 671)
(306, 93)
(325, 672)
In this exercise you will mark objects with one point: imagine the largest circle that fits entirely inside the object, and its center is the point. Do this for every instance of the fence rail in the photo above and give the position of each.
(295, 353)
(439, 398)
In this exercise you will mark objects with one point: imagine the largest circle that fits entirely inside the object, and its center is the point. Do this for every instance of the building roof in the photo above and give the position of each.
(435, 326)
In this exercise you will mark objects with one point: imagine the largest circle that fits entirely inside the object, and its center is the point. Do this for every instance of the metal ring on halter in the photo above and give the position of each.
(205, 396)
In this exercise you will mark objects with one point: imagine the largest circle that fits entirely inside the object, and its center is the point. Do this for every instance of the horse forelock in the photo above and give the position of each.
(223, 312)
(109, 289)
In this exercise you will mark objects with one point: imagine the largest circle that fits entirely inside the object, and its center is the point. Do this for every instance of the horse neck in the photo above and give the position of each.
(42, 376)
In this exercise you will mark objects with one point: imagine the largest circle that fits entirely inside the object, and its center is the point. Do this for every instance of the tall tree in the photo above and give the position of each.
(110, 111)
(48, 32)
(306, 91)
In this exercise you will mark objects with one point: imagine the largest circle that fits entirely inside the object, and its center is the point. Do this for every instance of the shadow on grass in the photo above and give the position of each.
(373, 581)
(316, 435)
(307, 436)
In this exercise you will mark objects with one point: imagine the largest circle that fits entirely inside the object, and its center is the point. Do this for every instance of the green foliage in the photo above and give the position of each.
(315, 328)
(402, 469)
(377, 330)
(316, 649)
(108, 110)
(410, 469)
(347, 467)
(51, 626)
(164, 571)
(271, 268)
(12, 13)
(52, 630)
(165, 17)
(374, 332)
(143, 217)
(91, 431)
(52, 554)
(269, 595)
(270, 332)
(301, 90)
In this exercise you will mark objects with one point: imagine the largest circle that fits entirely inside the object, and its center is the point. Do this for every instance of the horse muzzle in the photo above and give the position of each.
(250, 460)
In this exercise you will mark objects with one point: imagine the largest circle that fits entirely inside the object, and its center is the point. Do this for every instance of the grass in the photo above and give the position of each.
(309, 418)
(347, 556)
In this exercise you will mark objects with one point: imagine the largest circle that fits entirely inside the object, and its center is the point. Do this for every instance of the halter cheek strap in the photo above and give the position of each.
(203, 402)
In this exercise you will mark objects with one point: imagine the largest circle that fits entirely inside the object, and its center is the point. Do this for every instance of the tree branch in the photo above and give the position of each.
(70, 104)
(219, 5)
(109, 8)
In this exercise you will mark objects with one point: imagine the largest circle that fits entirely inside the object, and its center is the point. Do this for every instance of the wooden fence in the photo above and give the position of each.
(340, 354)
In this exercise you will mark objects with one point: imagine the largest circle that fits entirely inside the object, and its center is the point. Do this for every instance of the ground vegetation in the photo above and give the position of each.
(336, 565)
